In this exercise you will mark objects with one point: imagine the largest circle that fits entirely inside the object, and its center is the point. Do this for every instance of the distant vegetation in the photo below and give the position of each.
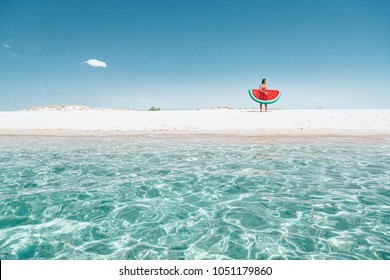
(59, 108)
(154, 109)
(74, 108)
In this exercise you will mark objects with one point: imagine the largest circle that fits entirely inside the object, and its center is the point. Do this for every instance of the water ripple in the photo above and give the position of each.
(171, 198)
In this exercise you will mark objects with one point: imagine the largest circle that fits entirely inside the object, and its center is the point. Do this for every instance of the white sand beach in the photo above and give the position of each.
(85, 121)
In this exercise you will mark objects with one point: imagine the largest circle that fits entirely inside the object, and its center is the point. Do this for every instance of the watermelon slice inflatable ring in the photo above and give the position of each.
(272, 95)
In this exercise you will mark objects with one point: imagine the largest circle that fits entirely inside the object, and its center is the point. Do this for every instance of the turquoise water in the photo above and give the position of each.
(179, 198)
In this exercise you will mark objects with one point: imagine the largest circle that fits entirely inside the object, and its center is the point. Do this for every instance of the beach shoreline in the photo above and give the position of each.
(199, 123)
(266, 134)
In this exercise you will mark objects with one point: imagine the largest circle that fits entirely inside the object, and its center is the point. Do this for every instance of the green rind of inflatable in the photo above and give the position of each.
(264, 101)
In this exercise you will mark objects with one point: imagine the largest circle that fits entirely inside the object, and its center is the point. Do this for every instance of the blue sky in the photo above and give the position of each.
(194, 54)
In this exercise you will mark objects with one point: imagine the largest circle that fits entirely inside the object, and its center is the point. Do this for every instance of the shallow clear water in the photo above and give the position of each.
(167, 198)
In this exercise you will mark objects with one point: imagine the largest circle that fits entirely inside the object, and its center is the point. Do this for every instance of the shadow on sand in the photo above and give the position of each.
(255, 111)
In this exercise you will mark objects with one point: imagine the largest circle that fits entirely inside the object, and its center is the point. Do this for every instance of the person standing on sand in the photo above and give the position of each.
(262, 87)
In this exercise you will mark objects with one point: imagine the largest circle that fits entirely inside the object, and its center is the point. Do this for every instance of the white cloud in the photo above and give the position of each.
(95, 63)
(6, 46)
